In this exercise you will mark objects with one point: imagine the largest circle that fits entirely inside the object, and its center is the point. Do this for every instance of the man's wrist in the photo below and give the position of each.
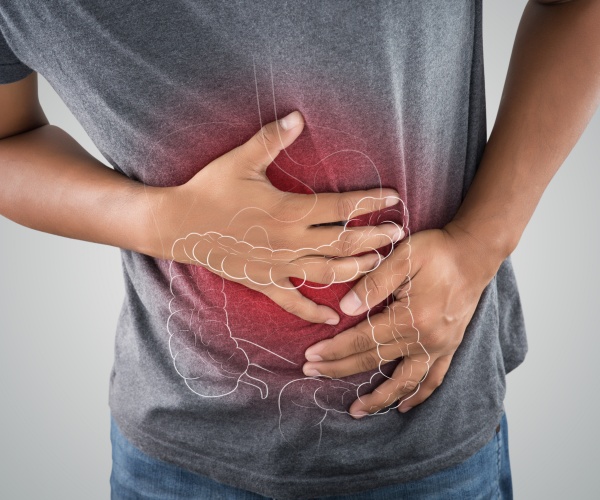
(483, 247)
(148, 222)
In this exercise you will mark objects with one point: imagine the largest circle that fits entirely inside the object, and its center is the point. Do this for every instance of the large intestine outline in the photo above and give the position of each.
(208, 376)
(202, 359)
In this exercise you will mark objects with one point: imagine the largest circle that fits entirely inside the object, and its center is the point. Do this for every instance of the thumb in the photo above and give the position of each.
(262, 148)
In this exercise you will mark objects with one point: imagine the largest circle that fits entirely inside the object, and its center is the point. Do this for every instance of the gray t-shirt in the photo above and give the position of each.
(207, 373)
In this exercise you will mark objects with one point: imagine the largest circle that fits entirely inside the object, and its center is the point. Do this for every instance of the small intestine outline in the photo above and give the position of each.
(209, 376)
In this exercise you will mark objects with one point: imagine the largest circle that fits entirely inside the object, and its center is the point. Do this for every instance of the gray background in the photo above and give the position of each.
(60, 299)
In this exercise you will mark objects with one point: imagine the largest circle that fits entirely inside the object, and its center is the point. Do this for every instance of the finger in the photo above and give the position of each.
(323, 208)
(327, 271)
(283, 292)
(321, 270)
(291, 300)
(345, 241)
(404, 380)
(261, 149)
(433, 380)
(379, 284)
(357, 363)
(392, 325)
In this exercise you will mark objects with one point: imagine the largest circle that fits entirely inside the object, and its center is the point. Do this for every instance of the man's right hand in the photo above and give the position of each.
(231, 220)
(228, 218)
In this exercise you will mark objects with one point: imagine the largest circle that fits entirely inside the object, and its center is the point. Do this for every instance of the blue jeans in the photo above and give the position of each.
(137, 476)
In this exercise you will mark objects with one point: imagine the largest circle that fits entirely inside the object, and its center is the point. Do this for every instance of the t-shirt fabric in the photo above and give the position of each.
(208, 373)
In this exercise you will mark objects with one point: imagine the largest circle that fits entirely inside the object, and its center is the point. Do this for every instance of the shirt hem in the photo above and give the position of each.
(299, 488)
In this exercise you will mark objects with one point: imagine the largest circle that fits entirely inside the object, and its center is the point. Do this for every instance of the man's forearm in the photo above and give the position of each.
(551, 92)
(50, 183)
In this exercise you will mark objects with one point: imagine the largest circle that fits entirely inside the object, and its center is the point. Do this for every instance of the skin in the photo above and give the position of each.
(52, 184)
(70, 193)
(550, 94)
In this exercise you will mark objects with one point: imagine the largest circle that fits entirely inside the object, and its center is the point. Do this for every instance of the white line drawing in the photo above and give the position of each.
(209, 374)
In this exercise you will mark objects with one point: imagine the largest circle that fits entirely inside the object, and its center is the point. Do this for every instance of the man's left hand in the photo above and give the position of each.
(436, 278)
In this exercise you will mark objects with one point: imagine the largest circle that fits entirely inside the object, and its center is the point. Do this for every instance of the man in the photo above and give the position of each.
(394, 97)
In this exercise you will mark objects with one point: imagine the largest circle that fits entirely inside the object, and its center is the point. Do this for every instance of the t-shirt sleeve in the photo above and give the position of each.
(11, 69)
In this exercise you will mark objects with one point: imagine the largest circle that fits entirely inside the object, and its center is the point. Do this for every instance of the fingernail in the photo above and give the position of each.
(290, 121)
(405, 409)
(390, 201)
(312, 354)
(313, 357)
(332, 321)
(359, 414)
(350, 303)
(374, 260)
(397, 233)
(312, 372)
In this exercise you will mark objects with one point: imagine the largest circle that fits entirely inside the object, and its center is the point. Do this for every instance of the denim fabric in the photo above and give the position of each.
(137, 476)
